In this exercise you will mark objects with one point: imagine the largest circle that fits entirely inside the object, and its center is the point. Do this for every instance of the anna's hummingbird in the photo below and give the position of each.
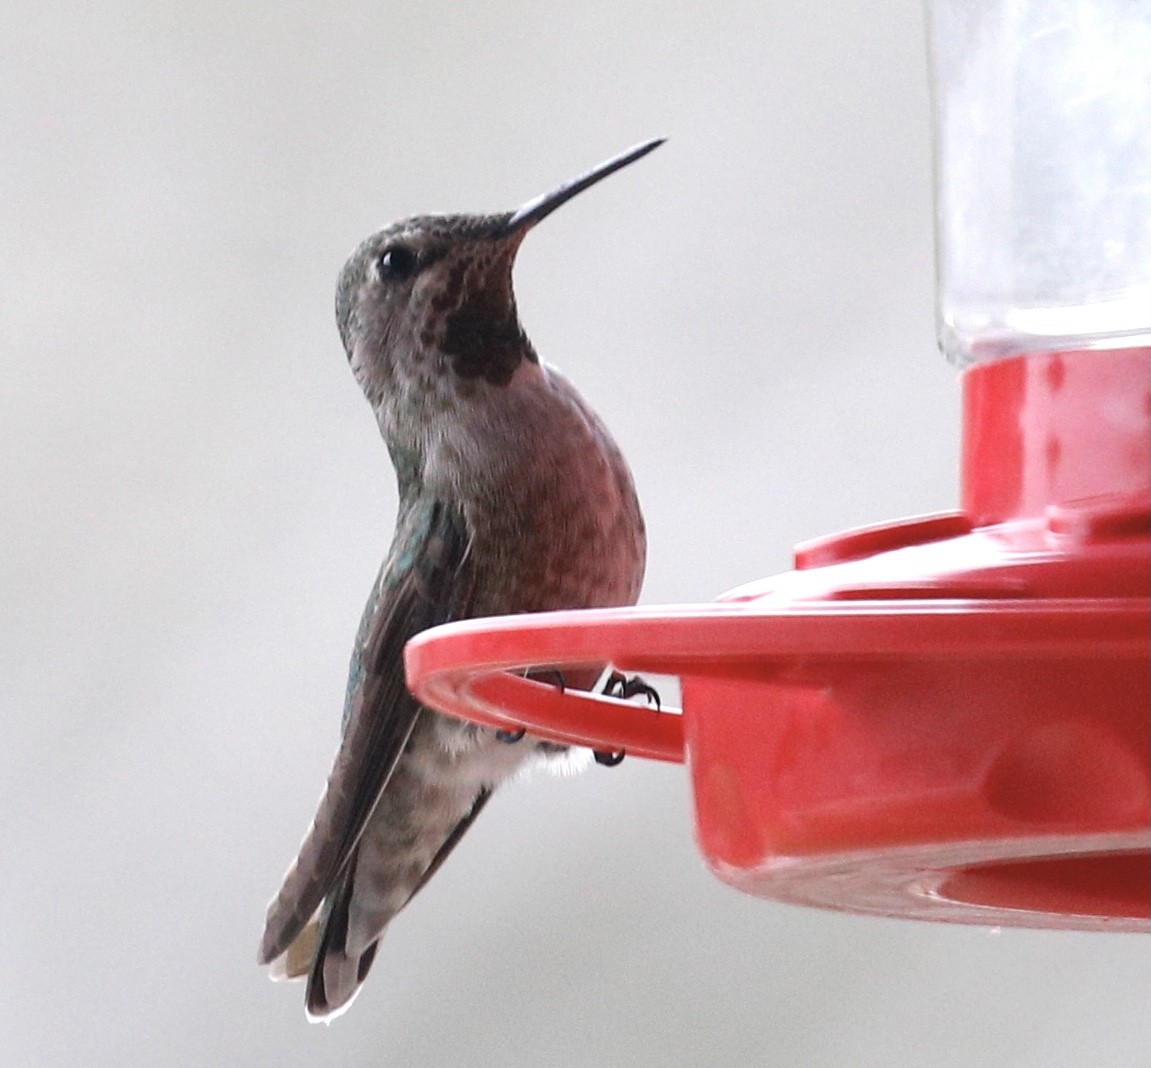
(513, 497)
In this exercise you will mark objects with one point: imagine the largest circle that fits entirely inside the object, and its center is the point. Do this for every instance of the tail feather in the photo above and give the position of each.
(337, 975)
(296, 961)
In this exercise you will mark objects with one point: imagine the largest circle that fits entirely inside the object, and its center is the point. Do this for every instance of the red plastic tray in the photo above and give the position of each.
(947, 717)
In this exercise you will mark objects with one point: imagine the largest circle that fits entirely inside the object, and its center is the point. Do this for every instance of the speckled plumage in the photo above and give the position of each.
(513, 498)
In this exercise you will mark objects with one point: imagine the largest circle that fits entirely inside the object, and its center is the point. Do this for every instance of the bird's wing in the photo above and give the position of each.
(425, 581)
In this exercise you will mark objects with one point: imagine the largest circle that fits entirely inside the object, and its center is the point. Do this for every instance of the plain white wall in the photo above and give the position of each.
(195, 501)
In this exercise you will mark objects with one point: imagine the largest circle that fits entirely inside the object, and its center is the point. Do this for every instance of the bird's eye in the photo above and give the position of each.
(397, 263)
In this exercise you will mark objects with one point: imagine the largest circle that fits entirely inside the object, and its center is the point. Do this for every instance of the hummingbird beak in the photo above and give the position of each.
(526, 217)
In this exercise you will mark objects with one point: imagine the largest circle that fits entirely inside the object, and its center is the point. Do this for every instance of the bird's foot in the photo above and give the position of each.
(608, 760)
(620, 685)
(625, 687)
(552, 675)
(536, 675)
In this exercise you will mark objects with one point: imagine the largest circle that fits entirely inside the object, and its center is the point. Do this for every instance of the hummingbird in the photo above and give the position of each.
(513, 497)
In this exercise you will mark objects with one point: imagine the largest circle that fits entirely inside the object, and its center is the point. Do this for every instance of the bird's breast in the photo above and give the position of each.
(552, 511)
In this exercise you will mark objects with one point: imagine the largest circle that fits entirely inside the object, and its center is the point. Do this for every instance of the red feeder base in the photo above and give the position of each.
(943, 718)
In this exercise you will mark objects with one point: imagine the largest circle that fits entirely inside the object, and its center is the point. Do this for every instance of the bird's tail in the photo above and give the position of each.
(320, 953)
(336, 973)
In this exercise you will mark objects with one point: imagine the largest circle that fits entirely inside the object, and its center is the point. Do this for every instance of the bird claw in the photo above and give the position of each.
(608, 760)
(620, 685)
(553, 675)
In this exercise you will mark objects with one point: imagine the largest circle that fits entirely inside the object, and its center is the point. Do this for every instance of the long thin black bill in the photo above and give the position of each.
(541, 206)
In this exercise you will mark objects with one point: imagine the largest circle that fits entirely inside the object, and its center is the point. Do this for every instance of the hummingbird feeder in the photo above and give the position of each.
(946, 717)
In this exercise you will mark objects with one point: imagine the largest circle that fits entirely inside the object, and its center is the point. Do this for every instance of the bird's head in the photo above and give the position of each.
(426, 309)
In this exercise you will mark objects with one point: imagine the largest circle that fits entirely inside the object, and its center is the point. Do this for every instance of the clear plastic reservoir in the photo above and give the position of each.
(1043, 174)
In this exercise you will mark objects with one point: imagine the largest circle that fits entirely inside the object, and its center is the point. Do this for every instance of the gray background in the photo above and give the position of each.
(195, 501)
